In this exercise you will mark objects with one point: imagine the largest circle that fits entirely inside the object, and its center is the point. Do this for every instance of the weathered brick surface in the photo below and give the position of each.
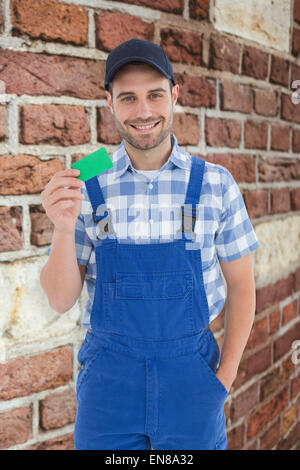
(278, 169)
(255, 63)
(199, 9)
(24, 376)
(244, 403)
(236, 97)
(181, 46)
(280, 137)
(24, 174)
(296, 42)
(50, 21)
(15, 426)
(114, 28)
(269, 439)
(256, 203)
(266, 102)
(171, 6)
(280, 200)
(256, 135)
(289, 110)
(242, 167)
(296, 141)
(196, 91)
(224, 54)
(41, 226)
(106, 128)
(235, 438)
(58, 443)
(267, 413)
(54, 125)
(10, 228)
(187, 129)
(279, 71)
(297, 11)
(295, 199)
(283, 344)
(271, 294)
(222, 132)
(41, 74)
(58, 410)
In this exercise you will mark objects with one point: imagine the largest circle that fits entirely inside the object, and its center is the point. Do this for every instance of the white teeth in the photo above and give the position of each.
(145, 127)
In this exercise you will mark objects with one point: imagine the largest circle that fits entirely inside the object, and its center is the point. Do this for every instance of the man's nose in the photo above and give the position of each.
(144, 109)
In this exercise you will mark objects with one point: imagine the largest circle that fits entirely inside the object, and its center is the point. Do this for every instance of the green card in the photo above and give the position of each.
(93, 164)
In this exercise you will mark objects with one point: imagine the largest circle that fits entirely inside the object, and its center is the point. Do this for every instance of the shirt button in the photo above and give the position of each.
(82, 366)
(151, 221)
(150, 186)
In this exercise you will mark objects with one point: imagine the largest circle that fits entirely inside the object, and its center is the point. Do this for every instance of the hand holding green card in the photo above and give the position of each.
(93, 164)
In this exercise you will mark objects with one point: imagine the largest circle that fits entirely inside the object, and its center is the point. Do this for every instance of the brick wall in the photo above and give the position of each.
(234, 108)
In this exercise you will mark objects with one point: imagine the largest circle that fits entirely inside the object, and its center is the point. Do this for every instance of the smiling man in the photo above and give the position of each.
(151, 371)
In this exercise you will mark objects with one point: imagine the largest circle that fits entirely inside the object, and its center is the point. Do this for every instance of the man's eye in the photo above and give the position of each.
(127, 99)
(155, 95)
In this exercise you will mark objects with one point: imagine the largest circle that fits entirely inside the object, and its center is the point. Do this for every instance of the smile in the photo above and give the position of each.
(146, 127)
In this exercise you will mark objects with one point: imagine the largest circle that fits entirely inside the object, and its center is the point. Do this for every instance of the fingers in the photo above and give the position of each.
(63, 186)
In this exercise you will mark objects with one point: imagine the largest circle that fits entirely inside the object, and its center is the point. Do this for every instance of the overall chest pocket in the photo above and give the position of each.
(151, 305)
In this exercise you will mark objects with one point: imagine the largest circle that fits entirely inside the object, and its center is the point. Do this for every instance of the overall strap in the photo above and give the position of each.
(99, 210)
(189, 210)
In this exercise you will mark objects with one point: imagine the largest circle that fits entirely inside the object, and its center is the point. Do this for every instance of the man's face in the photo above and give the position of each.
(142, 105)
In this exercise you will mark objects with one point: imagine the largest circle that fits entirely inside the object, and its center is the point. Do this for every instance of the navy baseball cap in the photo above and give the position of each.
(137, 50)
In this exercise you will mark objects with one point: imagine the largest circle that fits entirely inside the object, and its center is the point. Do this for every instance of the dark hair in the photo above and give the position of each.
(138, 63)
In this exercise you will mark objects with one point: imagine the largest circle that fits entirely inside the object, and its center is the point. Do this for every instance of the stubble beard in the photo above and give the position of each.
(165, 132)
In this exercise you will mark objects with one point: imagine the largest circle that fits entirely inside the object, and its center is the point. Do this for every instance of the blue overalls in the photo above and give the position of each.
(148, 363)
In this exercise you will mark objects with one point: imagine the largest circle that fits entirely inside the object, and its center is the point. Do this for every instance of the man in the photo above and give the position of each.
(147, 235)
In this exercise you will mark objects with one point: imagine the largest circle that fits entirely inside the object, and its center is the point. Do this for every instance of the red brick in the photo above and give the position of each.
(280, 138)
(54, 125)
(57, 410)
(43, 74)
(295, 388)
(296, 141)
(3, 122)
(256, 203)
(235, 438)
(50, 21)
(222, 132)
(23, 376)
(196, 91)
(274, 319)
(15, 426)
(297, 11)
(289, 110)
(279, 71)
(296, 42)
(224, 54)
(187, 129)
(259, 333)
(289, 312)
(10, 228)
(199, 9)
(181, 46)
(170, 6)
(41, 226)
(271, 294)
(283, 344)
(236, 97)
(256, 135)
(267, 413)
(270, 438)
(254, 364)
(114, 28)
(242, 167)
(106, 127)
(278, 169)
(24, 174)
(269, 384)
(287, 369)
(255, 63)
(243, 403)
(295, 199)
(65, 442)
(280, 200)
(286, 443)
(266, 102)
(288, 419)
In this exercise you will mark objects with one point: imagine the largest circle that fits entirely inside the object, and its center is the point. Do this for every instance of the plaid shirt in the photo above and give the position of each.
(148, 211)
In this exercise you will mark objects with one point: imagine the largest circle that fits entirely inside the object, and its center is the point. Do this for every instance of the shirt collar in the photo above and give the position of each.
(122, 162)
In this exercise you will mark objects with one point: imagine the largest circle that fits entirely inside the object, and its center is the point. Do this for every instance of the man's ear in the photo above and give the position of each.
(175, 93)
(109, 101)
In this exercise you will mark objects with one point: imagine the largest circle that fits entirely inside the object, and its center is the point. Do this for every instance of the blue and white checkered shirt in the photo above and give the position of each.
(148, 211)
